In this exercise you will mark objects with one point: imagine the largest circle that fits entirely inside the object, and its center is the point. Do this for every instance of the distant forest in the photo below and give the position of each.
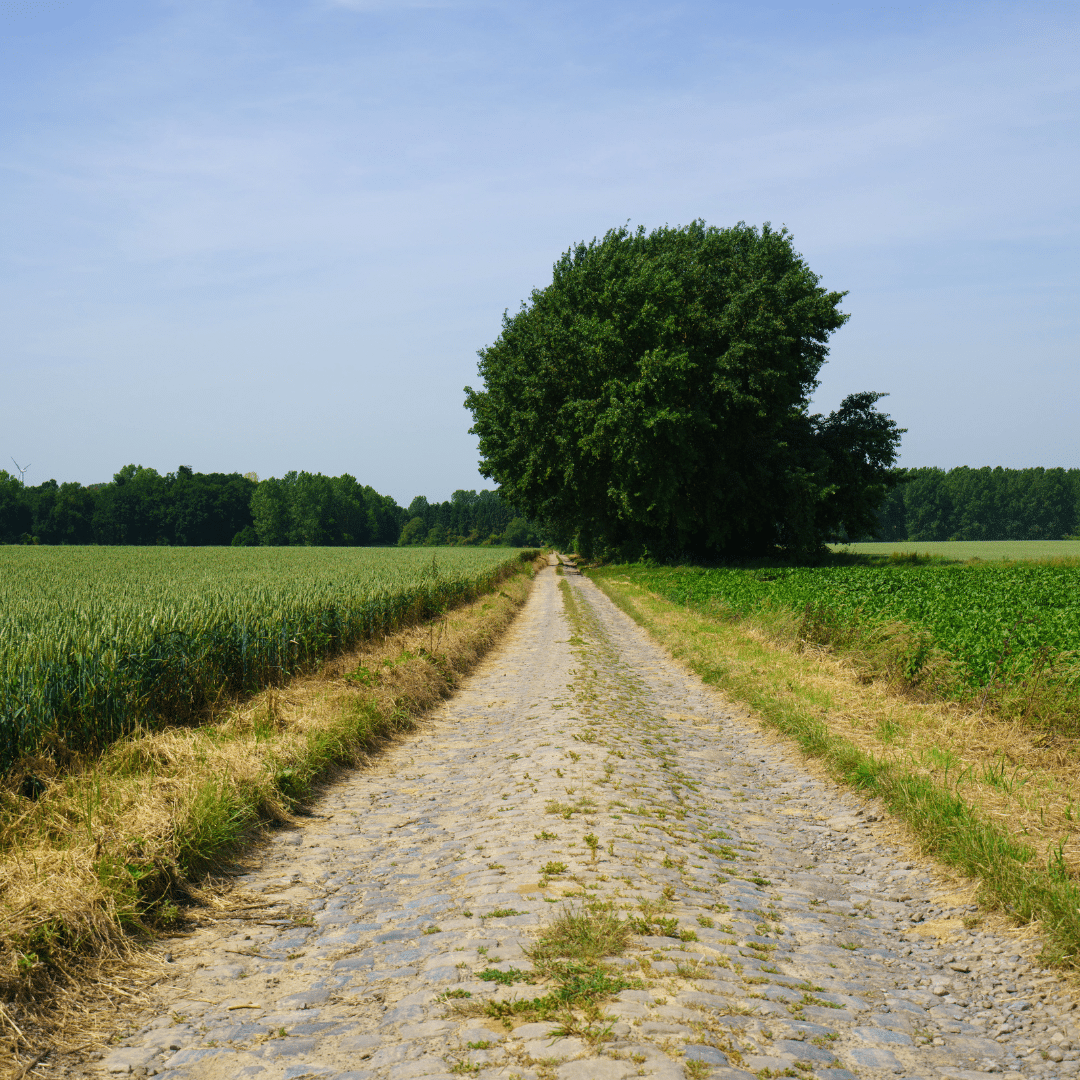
(983, 504)
(186, 508)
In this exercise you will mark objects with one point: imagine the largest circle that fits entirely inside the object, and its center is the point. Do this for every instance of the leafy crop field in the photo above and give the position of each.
(971, 549)
(993, 621)
(96, 639)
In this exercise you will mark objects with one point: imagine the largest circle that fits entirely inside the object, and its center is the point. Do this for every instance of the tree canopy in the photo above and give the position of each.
(654, 399)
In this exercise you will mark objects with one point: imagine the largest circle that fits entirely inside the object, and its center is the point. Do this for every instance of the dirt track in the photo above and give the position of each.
(807, 958)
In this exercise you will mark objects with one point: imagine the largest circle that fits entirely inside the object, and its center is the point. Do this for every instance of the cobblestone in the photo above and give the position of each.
(789, 944)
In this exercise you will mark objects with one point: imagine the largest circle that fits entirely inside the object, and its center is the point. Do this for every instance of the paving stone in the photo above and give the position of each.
(876, 1036)
(303, 1000)
(390, 1055)
(128, 1058)
(657, 1027)
(873, 1058)
(756, 1062)
(360, 1044)
(534, 1031)
(430, 1068)
(708, 1054)
(970, 1074)
(193, 1056)
(803, 1051)
(554, 1048)
(595, 1069)
(287, 1048)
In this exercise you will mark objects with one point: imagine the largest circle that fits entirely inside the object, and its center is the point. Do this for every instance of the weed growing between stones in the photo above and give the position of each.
(569, 956)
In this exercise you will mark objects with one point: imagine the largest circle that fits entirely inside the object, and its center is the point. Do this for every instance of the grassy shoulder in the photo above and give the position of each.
(994, 799)
(1002, 637)
(110, 851)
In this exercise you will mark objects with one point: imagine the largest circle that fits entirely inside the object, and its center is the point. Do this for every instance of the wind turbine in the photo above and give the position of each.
(23, 470)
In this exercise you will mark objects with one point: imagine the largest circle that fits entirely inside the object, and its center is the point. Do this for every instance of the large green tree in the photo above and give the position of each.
(654, 398)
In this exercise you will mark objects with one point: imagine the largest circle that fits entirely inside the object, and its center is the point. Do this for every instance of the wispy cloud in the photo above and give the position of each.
(281, 198)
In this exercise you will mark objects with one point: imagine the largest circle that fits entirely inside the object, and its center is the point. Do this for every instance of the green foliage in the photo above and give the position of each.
(990, 619)
(506, 978)
(655, 925)
(301, 509)
(469, 517)
(569, 955)
(96, 640)
(587, 934)
(218, 816)
(140, 506)
(576, 986)
(16, 519)
(653, 398)
(983, 504)
(414, 532)
(311, 510)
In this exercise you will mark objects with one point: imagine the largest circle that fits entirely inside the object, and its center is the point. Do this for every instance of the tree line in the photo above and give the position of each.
(186, 508)
(983, 504)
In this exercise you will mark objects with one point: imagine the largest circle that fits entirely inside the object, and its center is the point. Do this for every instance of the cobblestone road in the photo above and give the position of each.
(788, 944)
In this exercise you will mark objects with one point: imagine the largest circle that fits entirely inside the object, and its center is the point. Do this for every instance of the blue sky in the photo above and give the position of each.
(272, 235)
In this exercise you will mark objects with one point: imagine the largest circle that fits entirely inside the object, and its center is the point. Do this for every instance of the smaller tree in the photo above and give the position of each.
(517, 533)
(270, 512)
(413, 533)
(15, 515)
(859, 446)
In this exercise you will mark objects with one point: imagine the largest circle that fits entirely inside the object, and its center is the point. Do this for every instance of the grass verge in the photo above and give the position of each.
(107, 853)
(975, 792)
(999, 638)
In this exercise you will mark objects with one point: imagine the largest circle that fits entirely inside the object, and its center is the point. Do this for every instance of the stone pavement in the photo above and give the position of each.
(781, 941)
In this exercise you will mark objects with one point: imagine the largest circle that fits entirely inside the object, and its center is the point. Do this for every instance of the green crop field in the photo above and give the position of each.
(96, 639)
(992, 620)
(963, 550)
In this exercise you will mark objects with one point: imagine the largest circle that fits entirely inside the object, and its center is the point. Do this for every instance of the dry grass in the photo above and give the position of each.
(1026, 780)
(109, 853)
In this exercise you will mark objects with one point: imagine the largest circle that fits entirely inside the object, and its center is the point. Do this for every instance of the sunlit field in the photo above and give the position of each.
(94, 640)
